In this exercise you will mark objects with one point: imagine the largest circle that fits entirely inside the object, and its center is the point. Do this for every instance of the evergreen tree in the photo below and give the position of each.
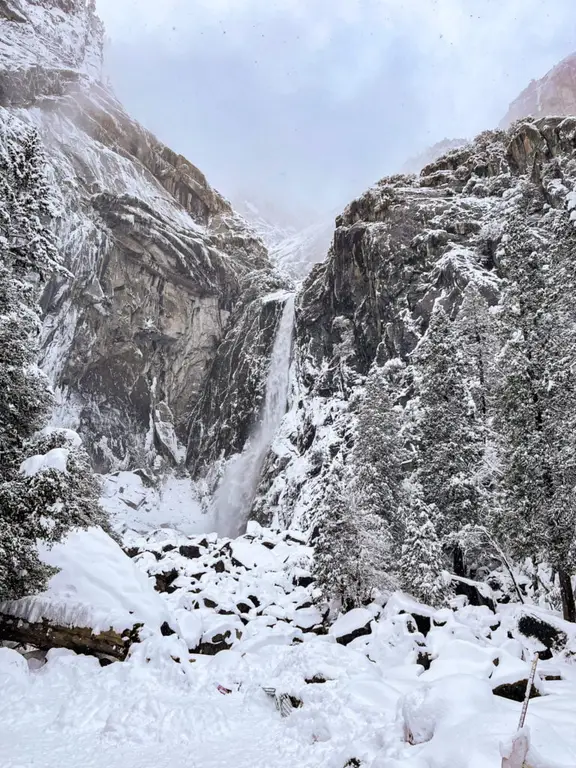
(361, 528)
(41, 505)
(476, 336)
(376, 462)
(25, 396)
(536, 403)
(421, 561)
(337, 558)
(29, 206)
(451, 442)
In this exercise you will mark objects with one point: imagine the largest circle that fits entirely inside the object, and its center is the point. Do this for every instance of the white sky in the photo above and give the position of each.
(303, 103)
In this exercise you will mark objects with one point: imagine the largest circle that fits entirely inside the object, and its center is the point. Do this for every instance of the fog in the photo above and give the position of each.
(298, 105)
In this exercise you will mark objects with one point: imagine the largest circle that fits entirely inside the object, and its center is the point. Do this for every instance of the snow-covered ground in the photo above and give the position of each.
(399, 685)
(139, 503)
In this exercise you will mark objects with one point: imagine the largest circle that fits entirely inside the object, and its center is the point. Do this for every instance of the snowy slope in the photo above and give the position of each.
(413, 689)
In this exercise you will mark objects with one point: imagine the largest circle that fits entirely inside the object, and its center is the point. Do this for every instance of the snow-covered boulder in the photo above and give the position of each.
(351, 625)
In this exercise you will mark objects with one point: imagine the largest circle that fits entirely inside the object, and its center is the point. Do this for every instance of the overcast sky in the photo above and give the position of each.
(301, 104)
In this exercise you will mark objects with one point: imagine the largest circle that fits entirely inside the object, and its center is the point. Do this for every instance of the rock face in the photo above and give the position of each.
(403, 245)
(554, 94)
(221, 422)
(159, 259)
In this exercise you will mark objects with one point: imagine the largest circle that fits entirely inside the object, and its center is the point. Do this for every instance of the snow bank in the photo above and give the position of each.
(97, 586)
(416, 691)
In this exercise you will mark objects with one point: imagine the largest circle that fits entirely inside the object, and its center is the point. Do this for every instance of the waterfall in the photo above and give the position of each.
(237, 488)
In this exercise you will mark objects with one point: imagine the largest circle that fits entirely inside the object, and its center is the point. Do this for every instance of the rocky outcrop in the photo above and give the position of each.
(554, 94)
(158, 258)
(405, 244)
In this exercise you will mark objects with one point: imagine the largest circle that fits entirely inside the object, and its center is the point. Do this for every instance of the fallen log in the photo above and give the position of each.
(45, 635)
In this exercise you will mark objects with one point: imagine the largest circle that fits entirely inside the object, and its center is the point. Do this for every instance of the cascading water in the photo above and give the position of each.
(237, 488)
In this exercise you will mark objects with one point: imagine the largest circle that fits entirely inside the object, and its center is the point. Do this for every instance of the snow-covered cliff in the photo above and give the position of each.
(159, 259)
(553, 94)
(403, 245)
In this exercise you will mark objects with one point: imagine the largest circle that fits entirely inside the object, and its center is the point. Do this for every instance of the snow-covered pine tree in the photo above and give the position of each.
(29, 201)
(421, 560)
(450, 433)
(475, 330)
(377, 460)
(25, 395)
(54, 491)
(45, 504)
(337, 562)
(536, 398)
(361, 526)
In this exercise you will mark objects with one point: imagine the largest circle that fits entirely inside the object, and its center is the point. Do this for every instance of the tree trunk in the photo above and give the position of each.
(568, 606)
(45, 635)
(458, 560)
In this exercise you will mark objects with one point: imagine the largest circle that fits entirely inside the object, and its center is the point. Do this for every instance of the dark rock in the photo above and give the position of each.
(209, 603)
(547, 634)
(515, 691)
(268, 544)
(166, 630)
(190, 552)
(165, 580)
(424, 659)
(254, 600)
(473, 592)
(353, 763)
(360, 632)
(244, 607)
(303, 581)
(316, 679)
(220, 642)
(168, 548)
(132, 551)
(219, 566)
(421, 624)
